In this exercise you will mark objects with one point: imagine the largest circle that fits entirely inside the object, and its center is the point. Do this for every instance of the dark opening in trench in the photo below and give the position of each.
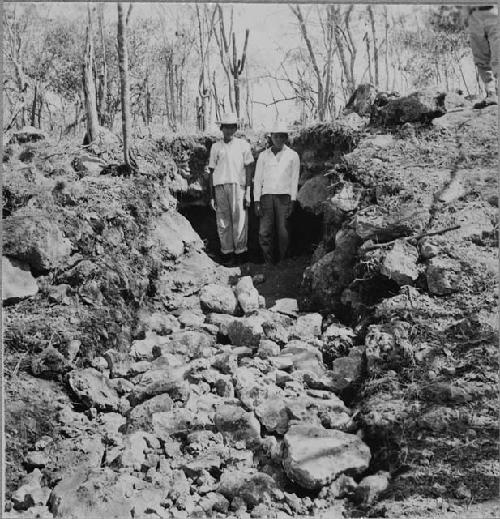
(306, 231)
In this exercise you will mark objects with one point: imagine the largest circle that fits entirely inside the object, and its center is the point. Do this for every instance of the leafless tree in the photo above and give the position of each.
(124, 79)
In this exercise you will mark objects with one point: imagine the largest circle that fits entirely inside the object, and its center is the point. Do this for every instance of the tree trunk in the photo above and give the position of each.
(39, 113)
(386, 53)
(89, 86)
(103, 76)
(375, 45)
(124, 80)
(33, 106)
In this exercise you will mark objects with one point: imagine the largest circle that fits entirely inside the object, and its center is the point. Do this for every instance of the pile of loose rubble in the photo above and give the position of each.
(223, 409)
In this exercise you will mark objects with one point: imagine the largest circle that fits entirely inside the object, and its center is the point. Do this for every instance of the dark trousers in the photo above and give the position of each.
(275, 210)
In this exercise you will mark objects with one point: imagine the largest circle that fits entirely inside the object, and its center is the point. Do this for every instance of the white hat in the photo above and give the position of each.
(279, 127)
(228, 118)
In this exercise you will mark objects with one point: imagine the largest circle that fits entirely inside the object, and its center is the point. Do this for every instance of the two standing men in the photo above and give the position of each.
(275, 191)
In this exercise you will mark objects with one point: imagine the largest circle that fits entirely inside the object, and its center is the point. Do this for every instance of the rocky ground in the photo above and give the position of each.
(144, 380)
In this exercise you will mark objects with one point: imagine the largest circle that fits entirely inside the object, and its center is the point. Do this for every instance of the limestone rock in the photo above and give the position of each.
(219, 299)
(345, 372)
(287, 306)
(190, 343)
(17, 281)
(179, 420)
(33, 238)
(443, 276)
(160, 323)
(189, 319)
(162, 380)
(377, 223)
(301, 356)
(417, 107)
(400, 263)
(315, 456)
(247, 295)
(143, 348)
(30, 493)
(94, 389)
(251, 486)
(276, 332)
(273, 415)
(36, 460)
(123, 365)
(237, 424)
(252, 387)
(267, 349)
(308, 326)
(346, 198)
(111, 422)
(141, 416)
(49, 363)
(313, 194)
(246, 332)
(102, 492)
(173, 233)
(370, 487)
(222, 321)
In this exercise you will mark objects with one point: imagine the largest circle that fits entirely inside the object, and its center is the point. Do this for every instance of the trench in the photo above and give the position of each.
(306, 231)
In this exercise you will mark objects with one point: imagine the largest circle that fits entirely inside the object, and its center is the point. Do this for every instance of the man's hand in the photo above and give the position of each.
(257, 209)
(247, 200)
(213, 205)
(291, 208)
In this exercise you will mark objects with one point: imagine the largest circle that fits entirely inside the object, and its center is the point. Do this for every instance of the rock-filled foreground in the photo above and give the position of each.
(166, 388)
(183, 426)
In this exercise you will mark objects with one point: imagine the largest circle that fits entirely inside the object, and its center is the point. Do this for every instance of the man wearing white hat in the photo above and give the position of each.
(275, 191)
(229, 181)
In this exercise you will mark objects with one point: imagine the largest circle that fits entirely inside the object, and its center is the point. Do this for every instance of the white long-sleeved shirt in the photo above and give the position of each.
(228, 160)
(276, 174)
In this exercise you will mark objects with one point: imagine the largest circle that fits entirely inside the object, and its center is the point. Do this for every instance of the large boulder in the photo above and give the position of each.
(31, 492)
(173, 235)
(102, 492)
(219, 299)
(33, 238)
(247, 294)
(141, 416)
(251, 486)
(94, 389)
(400, 263)
(443, 276)
(246, 332)
(313, 194)
(17, 281)
(237, 424)
(161, 380)
(315, 456)
(416, 107)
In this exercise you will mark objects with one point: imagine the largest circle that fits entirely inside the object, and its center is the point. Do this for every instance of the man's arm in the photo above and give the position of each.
(295, 167)
(211, 167)
(257, 183)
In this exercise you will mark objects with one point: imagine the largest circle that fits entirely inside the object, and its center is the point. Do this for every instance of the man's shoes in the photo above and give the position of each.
(227, 260)
(489, 100)
(240, 258)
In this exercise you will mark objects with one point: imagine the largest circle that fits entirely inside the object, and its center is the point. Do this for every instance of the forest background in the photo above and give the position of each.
(188, 63)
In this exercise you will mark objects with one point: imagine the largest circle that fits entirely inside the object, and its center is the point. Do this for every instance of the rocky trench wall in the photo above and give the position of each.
(214, 406)
(139, 372)
(422, 306)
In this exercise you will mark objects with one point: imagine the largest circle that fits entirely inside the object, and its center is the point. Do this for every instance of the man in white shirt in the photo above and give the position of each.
(229, 183)
(275, 192)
